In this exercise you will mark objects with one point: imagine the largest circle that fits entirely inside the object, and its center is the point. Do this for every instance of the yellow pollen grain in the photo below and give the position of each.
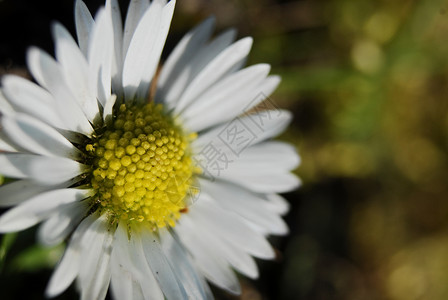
(142, 168)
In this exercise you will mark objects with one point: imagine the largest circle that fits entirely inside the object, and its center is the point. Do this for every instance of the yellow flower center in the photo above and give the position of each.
(142, 167)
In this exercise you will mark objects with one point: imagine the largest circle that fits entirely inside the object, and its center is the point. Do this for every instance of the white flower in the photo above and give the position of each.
(99, 165)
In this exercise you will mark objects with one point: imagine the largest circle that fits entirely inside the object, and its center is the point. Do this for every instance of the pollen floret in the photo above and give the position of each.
(142, 168)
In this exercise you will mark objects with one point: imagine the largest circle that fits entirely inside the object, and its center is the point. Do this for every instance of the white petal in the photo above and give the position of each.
(30, 98)
(256, 163)
(54, 230)
(251, 129)
(53, 170)
(246, 204)
(271, 155)
(113, 10)
(43, 67)
(212, 49)
(16, 165)
(268, 124)
(122, 273)
(181, 56)
(122, 285)
(280, 182)
(38, 208)
(148, 283)
(16, 192)
(129, 258)
(84, 23)
(230, 228)
(159, 42)
(100, 53)
(108, 108)
(214, 267)
(48, 73)
(226, 99)
(76, 71)
(189, 71)
(45, 170)
(266, 88)
(137, 292)
(136, 10)
(234, 255)
(94, 273)
(4, 146)
(160, 266)
(240, 260)
(68, 268)
(5, 106)
(141, 47)
(278, 203)
(218, 68)
(191, 280)
(37, 137)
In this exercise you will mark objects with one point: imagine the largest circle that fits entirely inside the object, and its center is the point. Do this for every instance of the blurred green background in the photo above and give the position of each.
(367, 82)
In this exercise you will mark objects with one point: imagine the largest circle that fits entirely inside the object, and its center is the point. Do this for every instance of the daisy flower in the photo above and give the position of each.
(159, 183)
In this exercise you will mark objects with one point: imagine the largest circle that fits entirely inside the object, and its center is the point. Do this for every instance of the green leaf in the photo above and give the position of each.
(7, 241)
(37, 257)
